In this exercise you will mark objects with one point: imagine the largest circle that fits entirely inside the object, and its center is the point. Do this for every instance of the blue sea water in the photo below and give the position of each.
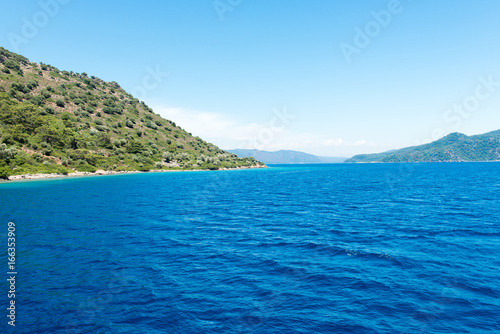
(372, 248)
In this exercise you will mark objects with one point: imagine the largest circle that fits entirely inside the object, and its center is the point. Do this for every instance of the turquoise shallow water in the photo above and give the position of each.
(410, 248)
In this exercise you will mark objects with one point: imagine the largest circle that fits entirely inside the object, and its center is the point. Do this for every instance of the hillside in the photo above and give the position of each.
(452, 148)
(54, 121)
(285, 157)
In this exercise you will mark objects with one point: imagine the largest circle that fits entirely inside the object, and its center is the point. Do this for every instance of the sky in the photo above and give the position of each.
(331, 78)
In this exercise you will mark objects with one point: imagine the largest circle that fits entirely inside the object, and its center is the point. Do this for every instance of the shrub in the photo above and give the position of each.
(66, 161)
(60, 103)
(135, 147)
(184, 156)
(7, 153)
(12, 65)
(37, 157)
(32, 84)
(102, 128)
(47, 150)
(151, 125)
(108, 110)
(37, 100)
(19, 87)
(86, 168)
(4, 172)
(167, 156)
(46, 94)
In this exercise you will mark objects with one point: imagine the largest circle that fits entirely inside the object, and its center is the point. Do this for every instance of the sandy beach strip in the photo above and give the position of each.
(105, 172)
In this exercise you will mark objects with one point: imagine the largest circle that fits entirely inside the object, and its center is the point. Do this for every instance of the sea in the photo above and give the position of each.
(340, 248)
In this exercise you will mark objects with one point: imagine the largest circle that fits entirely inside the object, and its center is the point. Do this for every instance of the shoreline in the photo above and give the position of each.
(28, 177)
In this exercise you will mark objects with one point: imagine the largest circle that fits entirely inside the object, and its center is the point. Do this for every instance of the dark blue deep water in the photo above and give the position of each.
(410, 248)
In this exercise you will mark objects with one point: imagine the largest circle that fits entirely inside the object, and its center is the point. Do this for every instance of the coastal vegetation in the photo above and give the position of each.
(54, 121)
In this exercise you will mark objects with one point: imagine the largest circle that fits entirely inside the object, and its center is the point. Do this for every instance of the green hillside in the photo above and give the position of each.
(453, 148)
(54, 121)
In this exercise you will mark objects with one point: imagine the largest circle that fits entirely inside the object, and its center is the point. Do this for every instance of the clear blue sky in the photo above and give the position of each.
(231, 66)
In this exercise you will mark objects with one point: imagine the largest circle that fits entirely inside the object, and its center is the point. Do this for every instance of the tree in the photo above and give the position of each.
(7, 153)
(24, 115)
(167, 156)
(135, 147)
(52, 135)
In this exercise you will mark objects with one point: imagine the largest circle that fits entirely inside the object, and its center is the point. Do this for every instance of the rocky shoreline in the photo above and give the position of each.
(104, 172)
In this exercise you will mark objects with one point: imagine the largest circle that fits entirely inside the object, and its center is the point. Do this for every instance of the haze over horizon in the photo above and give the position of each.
(330, 79)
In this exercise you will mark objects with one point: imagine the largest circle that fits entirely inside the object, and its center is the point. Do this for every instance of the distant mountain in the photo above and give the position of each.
(285, 157)
(452, 148)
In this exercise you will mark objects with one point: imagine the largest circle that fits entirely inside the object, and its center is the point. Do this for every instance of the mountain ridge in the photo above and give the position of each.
(454, 147)
(285, 157)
